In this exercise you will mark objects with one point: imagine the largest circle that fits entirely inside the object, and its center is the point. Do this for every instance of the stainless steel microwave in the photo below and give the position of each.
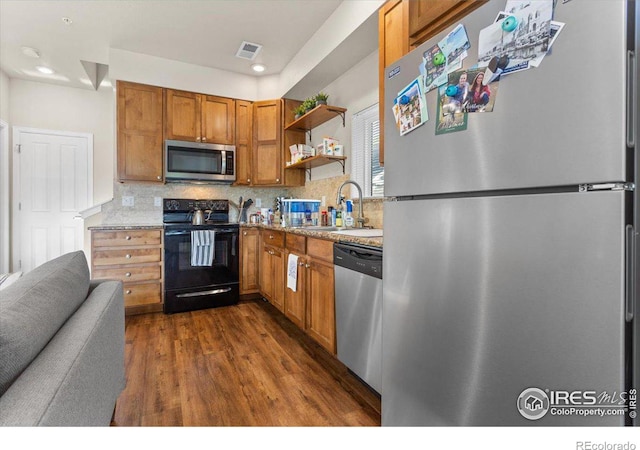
(198, 162)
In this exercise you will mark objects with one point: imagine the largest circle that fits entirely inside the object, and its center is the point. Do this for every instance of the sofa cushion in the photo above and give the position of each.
(34, 308)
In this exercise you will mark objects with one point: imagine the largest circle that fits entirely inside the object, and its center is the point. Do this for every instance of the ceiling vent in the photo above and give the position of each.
(248, 50)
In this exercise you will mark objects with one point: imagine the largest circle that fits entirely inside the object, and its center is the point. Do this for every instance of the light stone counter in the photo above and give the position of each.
(371, 241)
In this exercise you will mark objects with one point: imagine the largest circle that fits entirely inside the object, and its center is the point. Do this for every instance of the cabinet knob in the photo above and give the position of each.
(248, 180)
(307, 266)
(159, 177)
(128, 274)
(128, 256)
(277, 180)
(271, 236)
(301, 264)
(128, 238)
(128, 291)
(204, 139)
(198, 139)
(244, 233)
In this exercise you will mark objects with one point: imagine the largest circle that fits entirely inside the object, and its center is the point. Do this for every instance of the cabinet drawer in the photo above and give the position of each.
(296, 243)
(275, 238)
(142, 294)
(129, 274)
(321, 249)
(126, 238)
(126, 256)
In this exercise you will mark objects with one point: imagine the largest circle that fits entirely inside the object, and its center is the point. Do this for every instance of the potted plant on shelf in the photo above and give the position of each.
(309, 104)
(299, 111)
(321, 98)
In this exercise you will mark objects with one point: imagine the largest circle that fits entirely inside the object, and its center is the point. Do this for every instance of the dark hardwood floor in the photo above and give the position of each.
(243, 365)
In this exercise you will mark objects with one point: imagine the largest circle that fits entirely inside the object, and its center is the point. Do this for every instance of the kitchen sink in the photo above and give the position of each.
(320, 228)
(361, 232)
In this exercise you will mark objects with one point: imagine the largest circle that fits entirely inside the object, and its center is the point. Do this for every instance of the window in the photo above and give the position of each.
(365, 153)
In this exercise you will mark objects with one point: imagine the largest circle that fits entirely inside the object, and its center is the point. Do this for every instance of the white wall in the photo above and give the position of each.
(355, 90)
(5, 177)
(53, 107)
(145, 69)
(4, 96)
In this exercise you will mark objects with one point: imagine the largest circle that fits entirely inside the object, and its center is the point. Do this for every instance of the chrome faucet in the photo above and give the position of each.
(360, 220)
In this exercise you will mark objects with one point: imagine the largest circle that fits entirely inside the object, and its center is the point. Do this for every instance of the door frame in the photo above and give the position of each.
(15, 196)
(5, 198)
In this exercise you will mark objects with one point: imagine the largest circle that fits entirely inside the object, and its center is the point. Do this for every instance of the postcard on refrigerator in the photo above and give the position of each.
(517, 38)
(449, 115)
(412, 107)
(469, 93)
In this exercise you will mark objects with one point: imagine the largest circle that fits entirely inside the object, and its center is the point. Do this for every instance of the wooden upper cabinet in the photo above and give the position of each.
(267, 143)
(244, 142)
(429, 17)
(139, 124)
(199, 118)
(218, 120)
(393, 29)
(182, 115)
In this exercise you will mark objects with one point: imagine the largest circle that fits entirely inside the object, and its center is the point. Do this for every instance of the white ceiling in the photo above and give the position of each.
(202, 32)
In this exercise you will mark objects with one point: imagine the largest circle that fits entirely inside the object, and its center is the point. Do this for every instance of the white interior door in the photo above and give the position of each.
(52, 183)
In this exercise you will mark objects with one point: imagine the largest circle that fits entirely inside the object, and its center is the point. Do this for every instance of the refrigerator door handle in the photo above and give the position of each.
(632, 76)
(630, 287)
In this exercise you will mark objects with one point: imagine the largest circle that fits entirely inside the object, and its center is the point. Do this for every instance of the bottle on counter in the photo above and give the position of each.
(339, 222)
(348, 215)
(332, 215)
(324, 219)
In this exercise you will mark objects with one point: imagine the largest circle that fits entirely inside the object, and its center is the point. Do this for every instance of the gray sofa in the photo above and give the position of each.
(61, 346)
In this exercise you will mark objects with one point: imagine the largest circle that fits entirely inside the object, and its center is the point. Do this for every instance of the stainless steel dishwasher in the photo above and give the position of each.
(358, 293)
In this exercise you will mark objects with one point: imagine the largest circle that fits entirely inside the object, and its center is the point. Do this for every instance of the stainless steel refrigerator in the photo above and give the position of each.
(511, 248)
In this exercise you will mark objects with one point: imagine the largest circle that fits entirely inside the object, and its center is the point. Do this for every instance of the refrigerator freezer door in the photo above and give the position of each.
(559, 124)
(485, 297)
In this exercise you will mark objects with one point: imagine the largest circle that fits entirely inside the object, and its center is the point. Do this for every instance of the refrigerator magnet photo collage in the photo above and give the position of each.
(519, 39)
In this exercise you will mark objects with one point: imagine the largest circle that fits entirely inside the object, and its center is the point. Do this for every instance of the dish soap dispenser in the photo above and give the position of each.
(348, 215)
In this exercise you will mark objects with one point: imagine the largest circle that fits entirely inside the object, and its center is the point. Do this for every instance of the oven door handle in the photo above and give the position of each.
(203, 293)
(182, 233)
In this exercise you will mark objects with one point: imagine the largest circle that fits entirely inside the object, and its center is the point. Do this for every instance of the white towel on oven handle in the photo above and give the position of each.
(202, 247)
(292, 272)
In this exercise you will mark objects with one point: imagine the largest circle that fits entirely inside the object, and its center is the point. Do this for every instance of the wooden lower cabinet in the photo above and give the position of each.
(135, 258)
(272, 267)
(321, 310)
(249, 261)
(312, 306)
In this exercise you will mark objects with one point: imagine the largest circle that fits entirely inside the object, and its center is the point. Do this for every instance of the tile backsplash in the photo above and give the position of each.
(145, 211)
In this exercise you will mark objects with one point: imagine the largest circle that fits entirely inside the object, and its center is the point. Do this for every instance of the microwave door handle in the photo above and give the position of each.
(224, 162)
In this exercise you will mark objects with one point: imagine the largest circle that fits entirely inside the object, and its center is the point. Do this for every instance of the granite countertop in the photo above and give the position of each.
(371, 241)
(131, 226)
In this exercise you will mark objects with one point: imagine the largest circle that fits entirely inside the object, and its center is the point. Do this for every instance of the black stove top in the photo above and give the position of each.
(178, 213)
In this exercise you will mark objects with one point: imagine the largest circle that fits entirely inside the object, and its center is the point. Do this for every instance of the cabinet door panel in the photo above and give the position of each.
(278, 266)
(321, 320)
(218, 120)
(182, 110)
(244, 141)
(249, 261)
(267, 143)
(139, 118)
(295, 302)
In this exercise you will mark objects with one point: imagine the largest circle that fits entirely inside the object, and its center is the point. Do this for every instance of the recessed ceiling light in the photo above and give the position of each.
(45, 70)
(258, 68)
(67, 21)
(31, 52)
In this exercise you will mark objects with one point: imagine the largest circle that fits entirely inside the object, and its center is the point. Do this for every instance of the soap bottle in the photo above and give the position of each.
(348, 215)
(332, 215)
(339, 223)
